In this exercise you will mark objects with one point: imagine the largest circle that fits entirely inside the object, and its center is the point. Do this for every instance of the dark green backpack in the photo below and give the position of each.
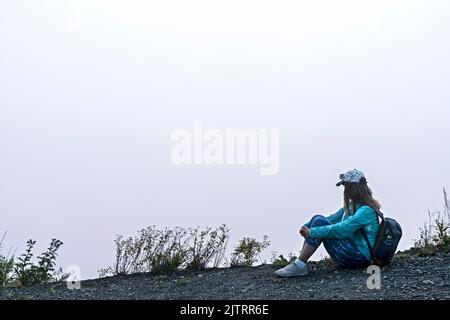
(388, 237)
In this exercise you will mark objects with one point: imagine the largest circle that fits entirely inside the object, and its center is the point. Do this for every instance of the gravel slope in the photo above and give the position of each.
(408, 277)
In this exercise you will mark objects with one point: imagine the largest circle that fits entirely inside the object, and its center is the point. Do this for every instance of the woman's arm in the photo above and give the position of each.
(334, 218)
(345, 229)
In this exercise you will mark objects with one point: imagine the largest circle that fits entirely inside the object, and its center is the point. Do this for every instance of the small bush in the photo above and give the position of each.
(28, 273)
(281, 261)
(247, 252)
(23, 272)
(167, 250)
(152, 250)
(424, 244)
(434, 235)
(126, 263)
(207, 246)
(6, 266)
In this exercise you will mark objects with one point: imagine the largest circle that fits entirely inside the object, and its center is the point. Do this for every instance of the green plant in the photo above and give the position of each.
(6, 266)
(434, 236)
(163, 251)
(280, 260)
(128, 257)
(247, 251)
(28, 273)
(169, 251)
(442, 237)
(207, 246)
(424, 244)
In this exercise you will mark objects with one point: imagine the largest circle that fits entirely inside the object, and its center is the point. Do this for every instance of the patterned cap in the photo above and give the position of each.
(352, 176)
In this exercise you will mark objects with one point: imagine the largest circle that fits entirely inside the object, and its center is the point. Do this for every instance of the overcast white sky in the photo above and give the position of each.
(91, 91)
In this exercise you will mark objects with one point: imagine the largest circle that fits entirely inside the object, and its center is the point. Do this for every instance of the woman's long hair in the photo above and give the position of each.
(359, 194)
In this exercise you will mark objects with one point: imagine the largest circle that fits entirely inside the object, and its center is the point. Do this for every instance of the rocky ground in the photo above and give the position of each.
(407, 277)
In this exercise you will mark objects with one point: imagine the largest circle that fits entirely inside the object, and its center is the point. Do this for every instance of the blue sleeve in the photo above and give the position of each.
(334, 218)
(345, 229)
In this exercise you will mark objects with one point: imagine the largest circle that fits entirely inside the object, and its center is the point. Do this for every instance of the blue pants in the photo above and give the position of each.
(343, 251)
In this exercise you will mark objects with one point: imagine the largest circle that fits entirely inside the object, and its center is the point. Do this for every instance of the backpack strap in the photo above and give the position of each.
(364, 234)
(379, 214)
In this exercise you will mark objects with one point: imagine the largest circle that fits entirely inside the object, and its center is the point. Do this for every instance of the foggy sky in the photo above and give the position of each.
(92, 90)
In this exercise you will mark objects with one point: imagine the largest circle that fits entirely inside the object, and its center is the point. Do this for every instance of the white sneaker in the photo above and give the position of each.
(292, 270)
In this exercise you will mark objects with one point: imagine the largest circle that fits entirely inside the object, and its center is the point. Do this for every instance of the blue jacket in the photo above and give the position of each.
(347, 226)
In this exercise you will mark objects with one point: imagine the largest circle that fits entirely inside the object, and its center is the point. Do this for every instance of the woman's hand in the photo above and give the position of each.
(305, 232)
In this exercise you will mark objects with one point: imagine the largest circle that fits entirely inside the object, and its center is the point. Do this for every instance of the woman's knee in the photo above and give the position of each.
(319, 220)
